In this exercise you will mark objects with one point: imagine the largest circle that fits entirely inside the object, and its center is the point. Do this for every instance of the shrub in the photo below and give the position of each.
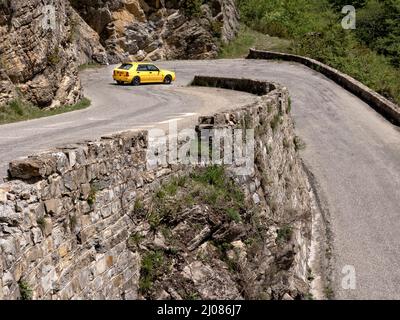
(41, 223)
(233, 215)
(92, 195)
(299, 144)
(216, 28)
(192, 8)
(53, 58)
(284, 234)
(213, 175)
(25, 290)
(152, 263)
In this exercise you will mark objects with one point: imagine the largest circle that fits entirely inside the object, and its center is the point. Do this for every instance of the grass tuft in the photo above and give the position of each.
(248, 38)
(92, 195)
(233, 215)
(18, 110)
(299, 144)
(151, 267)
(284, 234)
(25, 290)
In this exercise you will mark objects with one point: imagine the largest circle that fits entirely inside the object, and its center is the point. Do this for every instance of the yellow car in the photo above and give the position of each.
(142, 72)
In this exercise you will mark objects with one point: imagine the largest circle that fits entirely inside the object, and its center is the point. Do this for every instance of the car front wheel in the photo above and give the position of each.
(168, 79)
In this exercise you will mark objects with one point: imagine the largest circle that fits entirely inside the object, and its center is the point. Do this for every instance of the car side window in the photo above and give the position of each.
(151, 67)
(142, 68)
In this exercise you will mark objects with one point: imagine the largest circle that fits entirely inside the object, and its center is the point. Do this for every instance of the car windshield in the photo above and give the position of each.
(125, 66)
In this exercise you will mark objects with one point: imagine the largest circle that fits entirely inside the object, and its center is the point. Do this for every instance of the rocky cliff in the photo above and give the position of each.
(42, 43)
(39, 51)
(160, 29)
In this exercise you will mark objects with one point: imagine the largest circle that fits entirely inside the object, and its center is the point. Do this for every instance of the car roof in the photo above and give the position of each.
(139, 63)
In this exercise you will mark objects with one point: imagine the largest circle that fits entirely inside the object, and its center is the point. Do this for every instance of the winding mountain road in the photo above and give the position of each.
(353, 152)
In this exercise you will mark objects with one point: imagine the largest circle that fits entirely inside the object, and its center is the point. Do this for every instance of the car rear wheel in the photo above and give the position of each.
(168, 79)
(136, 81)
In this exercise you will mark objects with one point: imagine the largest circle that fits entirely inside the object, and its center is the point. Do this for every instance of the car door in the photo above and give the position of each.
(155, 73)
(143, 73)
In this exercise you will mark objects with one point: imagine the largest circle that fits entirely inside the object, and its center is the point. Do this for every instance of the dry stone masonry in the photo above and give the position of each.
(73, 221)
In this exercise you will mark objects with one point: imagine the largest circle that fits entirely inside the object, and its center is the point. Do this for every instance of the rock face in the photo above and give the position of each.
(99, 220)
(160, 29)
(38, 52)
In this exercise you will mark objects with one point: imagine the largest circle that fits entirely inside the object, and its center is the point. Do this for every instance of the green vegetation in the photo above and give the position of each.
(138, 208)
(18, 110)
(216, 28)
(284, 234)
(92, 195)
(370, 53)
(41, 223)
(135, 238)
(53, 57)
(289, 107)
(193, 296)
(152, 266)
(192, 8)
(299, 144)
(378, 26)
(25, 290)
(309, 296)
(310, 276)
(73, 31)
(248, 38)
(286, 143)
(275, 122)
(223, 248)
(214, 176)
(90, 65)
(209, 186)
(233, 215)
(329, 293)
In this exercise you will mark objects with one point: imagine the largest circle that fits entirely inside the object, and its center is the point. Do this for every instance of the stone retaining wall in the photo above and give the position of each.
(382, 105)
(66, 215)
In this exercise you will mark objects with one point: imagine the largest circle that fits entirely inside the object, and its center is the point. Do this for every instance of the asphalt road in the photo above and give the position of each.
(353, 153)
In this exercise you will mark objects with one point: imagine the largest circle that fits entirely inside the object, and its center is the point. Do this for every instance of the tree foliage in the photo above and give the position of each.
(370, 53)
